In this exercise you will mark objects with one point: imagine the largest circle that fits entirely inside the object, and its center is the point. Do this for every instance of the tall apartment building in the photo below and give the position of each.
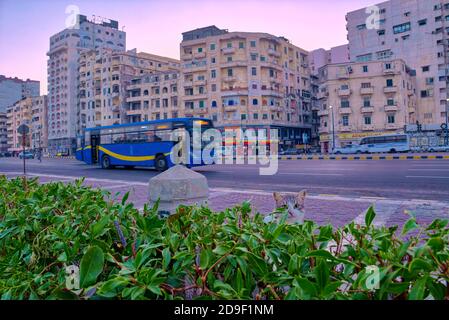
(3, 132)
(39, 123)
(415, 31)
(14, 89)
(154, 96)
(364, 98)
(32, 112)
(321, 57)
(247, 79)
(104, 75)
(65, 49)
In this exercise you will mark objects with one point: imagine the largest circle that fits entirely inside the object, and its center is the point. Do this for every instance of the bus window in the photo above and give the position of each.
(106, 139)
(162, 135)
(87, 138)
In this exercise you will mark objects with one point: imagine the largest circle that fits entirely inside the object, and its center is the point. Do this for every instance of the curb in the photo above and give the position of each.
(436, 157)
(59, 157)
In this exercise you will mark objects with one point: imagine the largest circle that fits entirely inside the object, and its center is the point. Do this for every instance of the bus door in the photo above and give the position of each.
(95, 142)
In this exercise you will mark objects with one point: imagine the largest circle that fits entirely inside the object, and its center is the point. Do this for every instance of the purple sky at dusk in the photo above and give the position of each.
(155, 26)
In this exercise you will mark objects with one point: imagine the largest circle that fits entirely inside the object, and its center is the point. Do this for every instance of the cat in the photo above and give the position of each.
(294, 203)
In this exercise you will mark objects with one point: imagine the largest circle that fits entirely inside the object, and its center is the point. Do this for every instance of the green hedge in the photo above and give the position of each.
(201, 254)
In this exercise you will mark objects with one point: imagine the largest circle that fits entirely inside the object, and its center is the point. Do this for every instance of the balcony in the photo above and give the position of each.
(271, 93)
(391, 108)
(392, 89)
(343, 75)
(369, 109)
(368, 127)
(345, 111)
(234, 64)
(343, 128)
(322, 113)
(323, 129)
(199, 55)
(199, 83)
(271, 65)
(230, 108)
(229, 79)
(393, 126)
(228, 50)
(344, 92)
(364, 91)
(390, 71)
(234, 92)
(411, 110)
(187, 56)
(274, 53)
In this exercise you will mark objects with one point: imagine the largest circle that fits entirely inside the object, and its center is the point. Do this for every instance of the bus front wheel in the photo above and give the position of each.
(106, 162)
(161, 163)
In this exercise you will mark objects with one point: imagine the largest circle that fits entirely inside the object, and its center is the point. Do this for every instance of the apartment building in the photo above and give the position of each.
(104, 75)
(246, 79)
(39, 123)
(15, 89)
(415, 31)
(154, 96)
(33, 112)
(3, 132)
(65, 49)
(363, 99)
(321, 57)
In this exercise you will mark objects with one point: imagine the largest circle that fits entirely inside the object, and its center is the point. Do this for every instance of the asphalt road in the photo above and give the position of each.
(391, 179)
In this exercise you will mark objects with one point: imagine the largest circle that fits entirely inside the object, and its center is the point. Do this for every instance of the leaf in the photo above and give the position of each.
(91, 266)
(221, 250)
(418, 290)
(307, 287)
(108, 288)
(204, 259)
(166, 258)
(258, 265)
(409, 226)
(320, 254)
(437, 244)
(125, 197)
(321, 272)
(99, 226)
(419, 264)
(369, 216)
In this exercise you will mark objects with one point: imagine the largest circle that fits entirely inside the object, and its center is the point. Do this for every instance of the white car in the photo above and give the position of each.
(439, 149)
(349, 149)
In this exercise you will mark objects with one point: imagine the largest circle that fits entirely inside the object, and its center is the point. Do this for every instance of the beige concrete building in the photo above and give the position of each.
(154, 96)
(39, 123)
(104, 75)
(32, 112)
(364, 99)
(246, 79)
(3, 132)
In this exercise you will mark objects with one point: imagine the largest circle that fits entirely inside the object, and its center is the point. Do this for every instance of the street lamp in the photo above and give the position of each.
(446, 142)
(333, 128)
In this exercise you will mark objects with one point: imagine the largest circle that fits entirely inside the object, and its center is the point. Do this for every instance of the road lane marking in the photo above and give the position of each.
(310, 174)
(428, 177)
(429, 169)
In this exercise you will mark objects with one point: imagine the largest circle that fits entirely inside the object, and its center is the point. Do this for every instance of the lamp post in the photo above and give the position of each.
(446, 142)
(333, 128)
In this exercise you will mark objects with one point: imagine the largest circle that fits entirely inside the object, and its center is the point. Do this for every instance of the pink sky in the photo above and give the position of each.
(155, 26)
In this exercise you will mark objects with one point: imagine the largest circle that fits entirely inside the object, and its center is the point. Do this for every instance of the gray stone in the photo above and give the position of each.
(178, 186)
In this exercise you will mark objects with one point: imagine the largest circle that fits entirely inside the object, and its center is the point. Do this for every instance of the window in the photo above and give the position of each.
(390, 102)
(229, 45)
(255, 102)
(255, 116)
(366, 101)
(243, 116)
(367, 120)
(390, 118)
(254, 71)
(366, 85)
(429, 81)
(212, 60)
(344, 103)
(389, 82)
(214, 87)
(388, 66)
(365, 69)
(345, 121)
(426, 69)
(422, 22)
(381, 32)
(265, 116)
(253, 57)
(213, 74)
(402, 28)
(200, 50)
(241, 45)
(212, 46)
(201, 104)
(253, 44)
(230, 73)
(214, 104)
(361, 27)
(229, 59)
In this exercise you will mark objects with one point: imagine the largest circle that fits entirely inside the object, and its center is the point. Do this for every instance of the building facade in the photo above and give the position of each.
(104, 75)
(321, 57)
(364, 99)
(3, 132)
(39, 124)
(415, 31)
(14, 89)
(246, 79)
(154, 96)
(63, 67)
(33, 112)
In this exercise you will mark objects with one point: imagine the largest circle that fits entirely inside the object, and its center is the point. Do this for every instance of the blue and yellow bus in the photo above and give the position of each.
(142, 144)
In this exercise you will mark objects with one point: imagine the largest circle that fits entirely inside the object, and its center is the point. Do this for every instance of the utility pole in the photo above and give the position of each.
(333, 128)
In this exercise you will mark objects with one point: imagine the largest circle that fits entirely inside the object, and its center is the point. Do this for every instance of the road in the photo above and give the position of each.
(394, 179)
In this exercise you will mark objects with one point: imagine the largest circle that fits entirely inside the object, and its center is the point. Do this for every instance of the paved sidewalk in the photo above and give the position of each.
(323, 209)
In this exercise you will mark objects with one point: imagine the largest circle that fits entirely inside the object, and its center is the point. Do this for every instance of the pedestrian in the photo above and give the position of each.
(39, 156)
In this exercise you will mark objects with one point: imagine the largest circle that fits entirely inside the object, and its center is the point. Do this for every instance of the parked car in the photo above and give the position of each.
(26, 155)
(349, 149)
(289, 152)
(439, 149)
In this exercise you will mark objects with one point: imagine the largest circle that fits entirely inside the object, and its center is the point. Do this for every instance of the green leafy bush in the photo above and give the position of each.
(126, 254)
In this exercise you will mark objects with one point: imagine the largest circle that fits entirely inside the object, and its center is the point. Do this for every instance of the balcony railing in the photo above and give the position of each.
(369, 90)
(369, 109)
(390, 89)
(344, 92)
(391, 108)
